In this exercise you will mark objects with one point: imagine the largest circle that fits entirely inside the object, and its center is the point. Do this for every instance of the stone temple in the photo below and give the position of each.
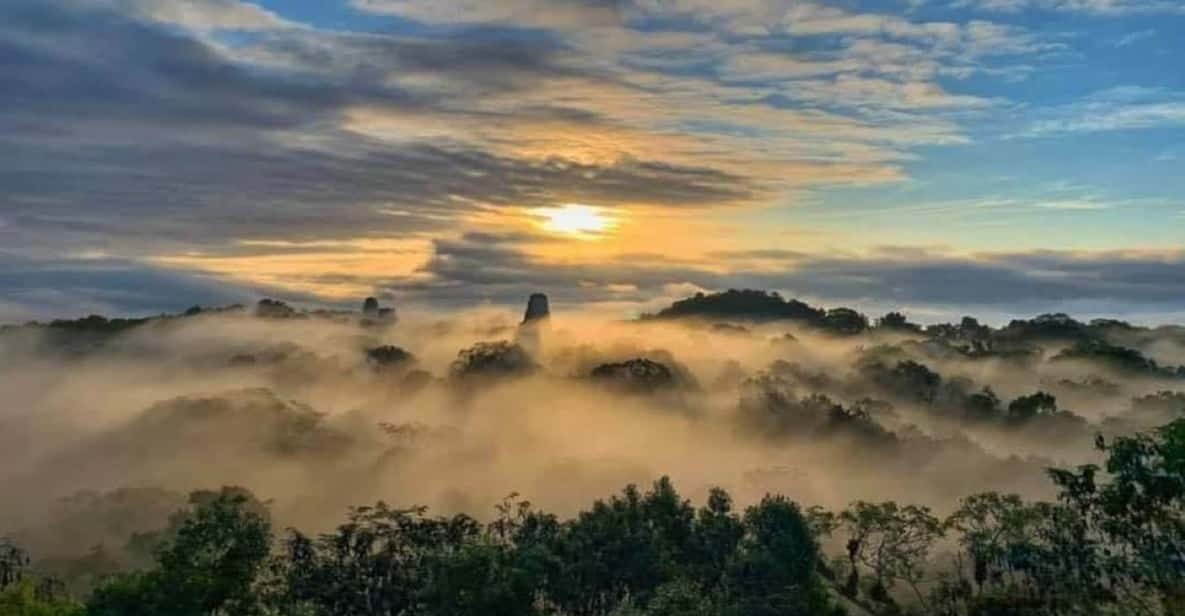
(535, 319)
(375, 313)
(537, 308)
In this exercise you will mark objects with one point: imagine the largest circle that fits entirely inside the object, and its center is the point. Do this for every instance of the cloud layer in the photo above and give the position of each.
(223, 138)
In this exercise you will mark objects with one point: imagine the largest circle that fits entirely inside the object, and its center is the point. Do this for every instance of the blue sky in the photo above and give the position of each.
(418, 149)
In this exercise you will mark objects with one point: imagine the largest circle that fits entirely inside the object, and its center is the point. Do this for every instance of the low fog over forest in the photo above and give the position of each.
(109, 424)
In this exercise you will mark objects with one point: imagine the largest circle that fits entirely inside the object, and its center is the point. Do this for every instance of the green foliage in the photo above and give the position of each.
(274, 309)
(984, 404)
(908, 380)
(96, 324)
(492, 360)
(13, 563)
(22, 594)
(897, 321)
(626, 546)
(638, 375)
(775, 570)
(892, 542)
(676, 598)
(634, 553)
(388, 355)
(1028, 407)
(1135, 521)
(385, 560)
(30, 598)
(1117, 357)
(742, 304)
(768, 408)
(1113, 544)
(211, 566)
(844, 321)
(1055, 326)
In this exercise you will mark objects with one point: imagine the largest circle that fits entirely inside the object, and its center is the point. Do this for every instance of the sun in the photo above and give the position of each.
(575, 219)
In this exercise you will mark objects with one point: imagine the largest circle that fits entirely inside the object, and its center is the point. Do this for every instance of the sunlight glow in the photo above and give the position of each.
(575, 219)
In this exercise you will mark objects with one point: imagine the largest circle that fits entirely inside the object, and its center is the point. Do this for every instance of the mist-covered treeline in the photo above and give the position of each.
(108, 424)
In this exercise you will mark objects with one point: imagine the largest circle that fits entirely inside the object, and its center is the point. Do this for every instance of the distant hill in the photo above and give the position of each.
(741, 304)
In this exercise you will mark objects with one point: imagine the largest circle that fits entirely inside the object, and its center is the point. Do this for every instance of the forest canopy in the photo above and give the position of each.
(1108, 545)
(279, 460)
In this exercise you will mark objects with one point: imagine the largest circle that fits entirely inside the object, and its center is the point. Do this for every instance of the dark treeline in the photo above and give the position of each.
(1112, 543)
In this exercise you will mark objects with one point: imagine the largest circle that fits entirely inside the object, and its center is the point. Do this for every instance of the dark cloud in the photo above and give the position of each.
(486, 267)
(67, 288)
(491, 268)
(1044, 277)
(117, 133)
(83, 67)
(206, 195)
(137, 139)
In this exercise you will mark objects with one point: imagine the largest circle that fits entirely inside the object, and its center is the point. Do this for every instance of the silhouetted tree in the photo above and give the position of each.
(897, 321)
(211, 565)
(388, 356)
(741, 304)
(635, 375)
(492, 360)
(844, 321)
(273, 308)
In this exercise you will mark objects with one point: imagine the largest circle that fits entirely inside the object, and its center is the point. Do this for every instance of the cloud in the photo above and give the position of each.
(484, 268)
(1115, 109)
(41, 289)
(1072, 204)
(120, 132)
(1132, 38)
(221, 137)
(479, 267)
(1094, 7)
(203, 15)
(576, 13)
(118, 128)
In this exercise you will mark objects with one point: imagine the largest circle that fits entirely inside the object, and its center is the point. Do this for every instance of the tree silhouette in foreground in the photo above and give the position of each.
(1113, 543)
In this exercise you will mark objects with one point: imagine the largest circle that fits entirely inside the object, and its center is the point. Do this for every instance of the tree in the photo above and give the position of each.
(13, 562)
(741, 304)
(211, 566)
(383, 561)
(476, 578)
(893, 542)
(844, 321)
(1028, 407)
(907, 379)
(1120, 358)
(1137, 518)
(996, 531)
(638, 375)
(492, 360)
(388, 355)
(24, 595)
(897, 321)
(775, 570)
(29, 598)
(624, 547)
(273, 308)
(715, 538)
(983, 404)
(676, 598)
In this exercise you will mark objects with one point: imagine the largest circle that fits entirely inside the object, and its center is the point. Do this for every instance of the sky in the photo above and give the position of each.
(993, 157)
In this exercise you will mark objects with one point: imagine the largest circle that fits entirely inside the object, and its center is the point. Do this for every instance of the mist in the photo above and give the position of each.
(316, 412)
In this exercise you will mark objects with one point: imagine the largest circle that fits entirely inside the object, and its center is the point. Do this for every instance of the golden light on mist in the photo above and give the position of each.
(577, 220)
